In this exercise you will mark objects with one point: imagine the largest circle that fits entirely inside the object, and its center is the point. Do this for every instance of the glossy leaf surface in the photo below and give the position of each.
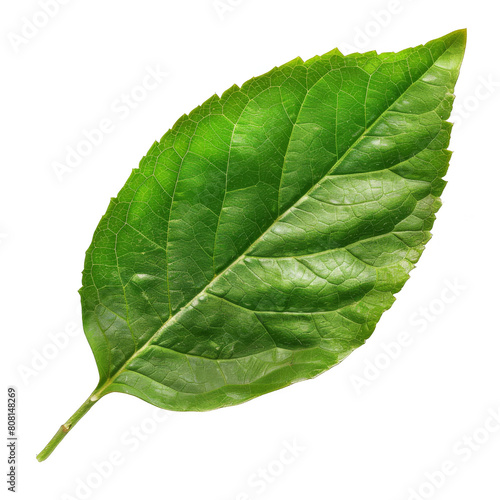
(261, 239)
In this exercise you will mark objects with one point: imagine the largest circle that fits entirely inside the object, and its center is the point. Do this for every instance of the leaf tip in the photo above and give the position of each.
(459, 35)
(456, 39)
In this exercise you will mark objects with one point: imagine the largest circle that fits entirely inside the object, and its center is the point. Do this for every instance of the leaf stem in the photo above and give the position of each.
(65, 428)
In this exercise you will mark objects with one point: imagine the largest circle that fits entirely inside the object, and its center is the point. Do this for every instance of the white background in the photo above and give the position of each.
(355, 438)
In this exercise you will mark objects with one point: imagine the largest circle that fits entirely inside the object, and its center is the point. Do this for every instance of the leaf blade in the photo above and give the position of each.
(176, 322)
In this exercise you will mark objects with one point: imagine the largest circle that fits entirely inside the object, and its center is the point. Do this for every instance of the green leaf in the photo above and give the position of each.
(262, 238)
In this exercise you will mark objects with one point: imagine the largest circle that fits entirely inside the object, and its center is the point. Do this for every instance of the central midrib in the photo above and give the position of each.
(100, 388)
